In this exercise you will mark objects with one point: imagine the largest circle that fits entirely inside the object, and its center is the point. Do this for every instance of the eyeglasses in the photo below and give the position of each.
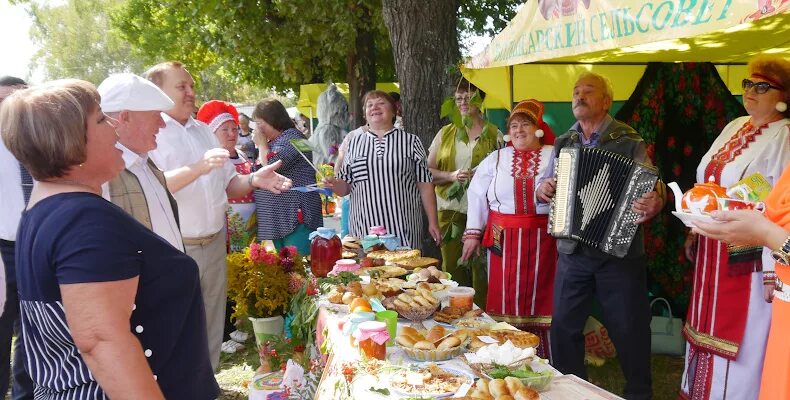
(759, 87)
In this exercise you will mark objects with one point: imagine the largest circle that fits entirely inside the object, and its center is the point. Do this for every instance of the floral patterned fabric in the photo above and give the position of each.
(679, 109)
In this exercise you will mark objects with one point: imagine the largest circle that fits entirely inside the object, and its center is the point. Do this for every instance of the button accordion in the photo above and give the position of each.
(593, 198)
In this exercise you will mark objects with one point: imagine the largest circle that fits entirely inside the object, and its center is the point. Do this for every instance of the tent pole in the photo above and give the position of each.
(512, 99)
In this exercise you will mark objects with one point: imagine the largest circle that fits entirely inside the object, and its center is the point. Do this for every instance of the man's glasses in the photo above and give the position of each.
(759, 87)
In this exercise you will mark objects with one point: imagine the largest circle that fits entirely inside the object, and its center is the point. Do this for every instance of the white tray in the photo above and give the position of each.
(689, 218)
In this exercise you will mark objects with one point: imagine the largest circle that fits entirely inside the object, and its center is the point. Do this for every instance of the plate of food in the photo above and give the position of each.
(429, 381)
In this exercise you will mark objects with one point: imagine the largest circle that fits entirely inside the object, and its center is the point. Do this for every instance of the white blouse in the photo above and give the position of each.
(492, 186)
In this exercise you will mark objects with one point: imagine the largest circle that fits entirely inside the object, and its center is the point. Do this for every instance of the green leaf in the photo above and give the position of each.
(302, 145)
(457, 231)
(383, 391)
(448, 106)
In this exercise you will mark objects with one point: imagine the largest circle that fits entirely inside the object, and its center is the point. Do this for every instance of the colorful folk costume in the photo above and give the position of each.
(728, 318)
(776, 370)
(521, 255)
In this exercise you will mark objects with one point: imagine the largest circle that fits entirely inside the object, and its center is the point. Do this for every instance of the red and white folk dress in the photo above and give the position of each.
(522, 257)
(728, 318)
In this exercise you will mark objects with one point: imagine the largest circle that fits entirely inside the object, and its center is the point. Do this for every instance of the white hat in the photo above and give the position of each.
(131, 92)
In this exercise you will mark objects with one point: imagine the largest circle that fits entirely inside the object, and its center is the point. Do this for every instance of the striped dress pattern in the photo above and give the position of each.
(383, 174)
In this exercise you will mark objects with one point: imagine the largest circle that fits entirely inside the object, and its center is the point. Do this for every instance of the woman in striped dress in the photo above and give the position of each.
(504, 215)
(384, 173)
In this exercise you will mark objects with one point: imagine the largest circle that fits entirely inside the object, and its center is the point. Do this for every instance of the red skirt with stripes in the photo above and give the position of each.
(521, 267)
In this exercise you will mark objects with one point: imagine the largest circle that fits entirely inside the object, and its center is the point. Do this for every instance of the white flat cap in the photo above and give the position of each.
(130, 92)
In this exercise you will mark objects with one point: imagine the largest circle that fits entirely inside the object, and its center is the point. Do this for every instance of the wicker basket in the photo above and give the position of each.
(435, 355)
(416, 314)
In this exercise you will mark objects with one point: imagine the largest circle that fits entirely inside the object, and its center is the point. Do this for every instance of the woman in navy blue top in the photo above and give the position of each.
(108, 308)
(286, 218)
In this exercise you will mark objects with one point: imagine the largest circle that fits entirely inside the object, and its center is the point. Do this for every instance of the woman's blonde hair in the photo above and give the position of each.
(774, 67)
(45, 127)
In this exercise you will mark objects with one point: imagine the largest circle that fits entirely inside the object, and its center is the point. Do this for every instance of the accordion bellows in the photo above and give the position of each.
(595, 191)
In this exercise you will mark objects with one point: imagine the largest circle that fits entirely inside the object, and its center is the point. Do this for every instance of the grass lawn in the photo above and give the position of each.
(236, 370)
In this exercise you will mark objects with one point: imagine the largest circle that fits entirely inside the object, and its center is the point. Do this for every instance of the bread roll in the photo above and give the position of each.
(405, 340)
(348, 297)
(436, 333)
(526, 393)
(424, 345)
(422, 301)
(513, 384)
(449, 343)
(482, 385)
(407, 330)
(498, 388)
(505, 397)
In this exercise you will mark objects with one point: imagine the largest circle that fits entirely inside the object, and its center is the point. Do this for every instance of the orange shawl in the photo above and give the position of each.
(778, 202)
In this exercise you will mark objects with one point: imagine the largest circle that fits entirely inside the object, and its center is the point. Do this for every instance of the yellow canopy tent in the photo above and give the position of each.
(308, 95)
(546, 45)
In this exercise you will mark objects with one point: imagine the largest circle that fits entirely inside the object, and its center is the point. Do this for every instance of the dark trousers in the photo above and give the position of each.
(621, 287)
(9, 326)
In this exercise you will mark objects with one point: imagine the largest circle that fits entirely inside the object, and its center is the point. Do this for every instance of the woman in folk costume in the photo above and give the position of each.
(505, 218)
(333, 120)
(453, 156)
(729, 315)
(223, 119)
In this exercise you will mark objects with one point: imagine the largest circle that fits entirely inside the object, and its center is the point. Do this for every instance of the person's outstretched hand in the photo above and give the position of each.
(267, 178)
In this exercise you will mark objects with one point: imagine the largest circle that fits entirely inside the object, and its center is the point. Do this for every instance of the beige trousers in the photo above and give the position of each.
(210, 258)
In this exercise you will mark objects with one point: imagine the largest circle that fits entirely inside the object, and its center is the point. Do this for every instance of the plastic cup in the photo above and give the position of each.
(390, 318)
(462, 297)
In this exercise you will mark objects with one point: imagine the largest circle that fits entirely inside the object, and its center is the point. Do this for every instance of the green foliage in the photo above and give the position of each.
(280, 43)
(77, 41)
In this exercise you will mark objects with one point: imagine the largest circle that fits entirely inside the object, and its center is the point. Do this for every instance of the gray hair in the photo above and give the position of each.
(605, 83)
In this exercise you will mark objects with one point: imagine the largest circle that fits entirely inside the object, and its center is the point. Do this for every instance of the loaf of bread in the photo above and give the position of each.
(449, 343)
(417, 262)
(424, 345)
(436, 333)
(405, 340)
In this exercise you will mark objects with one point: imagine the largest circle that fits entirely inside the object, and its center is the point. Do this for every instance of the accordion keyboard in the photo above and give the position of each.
(593, 198)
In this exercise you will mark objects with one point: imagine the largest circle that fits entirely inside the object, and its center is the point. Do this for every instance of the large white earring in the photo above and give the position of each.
(506, 138)
(539, 133)
(781, 106)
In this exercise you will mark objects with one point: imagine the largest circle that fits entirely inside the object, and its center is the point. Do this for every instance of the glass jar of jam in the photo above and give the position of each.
(325, 249)
(372, 337)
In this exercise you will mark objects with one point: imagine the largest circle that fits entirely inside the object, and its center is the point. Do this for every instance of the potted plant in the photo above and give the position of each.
(261, 283)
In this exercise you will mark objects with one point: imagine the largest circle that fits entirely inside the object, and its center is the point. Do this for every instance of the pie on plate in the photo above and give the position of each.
(428, 381)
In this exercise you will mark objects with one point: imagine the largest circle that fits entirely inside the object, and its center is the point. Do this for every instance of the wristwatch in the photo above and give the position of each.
(782, 254)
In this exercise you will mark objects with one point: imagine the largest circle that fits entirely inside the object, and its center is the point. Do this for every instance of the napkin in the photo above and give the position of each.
(293, 376)
(505, 354)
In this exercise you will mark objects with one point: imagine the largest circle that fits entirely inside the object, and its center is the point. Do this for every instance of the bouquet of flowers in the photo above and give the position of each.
(262, 282)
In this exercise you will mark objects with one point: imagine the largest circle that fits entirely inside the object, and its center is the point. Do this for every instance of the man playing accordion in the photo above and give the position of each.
(619, 283)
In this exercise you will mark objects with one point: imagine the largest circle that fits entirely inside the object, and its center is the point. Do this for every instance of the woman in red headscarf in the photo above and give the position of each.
(505, 218)
(223, 119)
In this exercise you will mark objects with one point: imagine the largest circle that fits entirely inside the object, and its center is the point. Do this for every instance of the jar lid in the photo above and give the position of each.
(372, 326)
(462, 291)
(324, 231)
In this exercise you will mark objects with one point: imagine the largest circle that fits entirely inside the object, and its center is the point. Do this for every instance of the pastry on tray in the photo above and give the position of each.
(418, 262)
(395, 256)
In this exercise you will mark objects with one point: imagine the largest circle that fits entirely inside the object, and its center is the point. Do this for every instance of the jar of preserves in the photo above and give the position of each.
(372, 337)
(462, 297)
(325, 249)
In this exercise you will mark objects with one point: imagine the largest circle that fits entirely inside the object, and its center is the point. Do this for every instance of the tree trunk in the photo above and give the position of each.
(424, 40)
(361, 68)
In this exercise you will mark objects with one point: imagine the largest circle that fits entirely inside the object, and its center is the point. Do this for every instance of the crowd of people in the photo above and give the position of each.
(115, 257)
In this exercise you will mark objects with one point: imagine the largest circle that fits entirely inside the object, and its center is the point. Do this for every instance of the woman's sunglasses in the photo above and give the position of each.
(759, 87)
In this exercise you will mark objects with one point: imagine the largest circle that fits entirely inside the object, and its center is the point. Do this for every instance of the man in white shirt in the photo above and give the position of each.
(136, 105)
(12, 203)
(201, 177)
